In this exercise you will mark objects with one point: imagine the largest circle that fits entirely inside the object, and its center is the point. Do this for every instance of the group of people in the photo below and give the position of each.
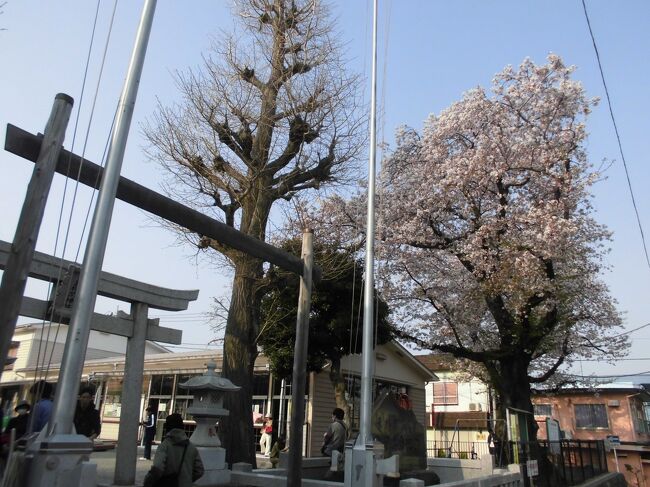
(333, 440)
(86, 417)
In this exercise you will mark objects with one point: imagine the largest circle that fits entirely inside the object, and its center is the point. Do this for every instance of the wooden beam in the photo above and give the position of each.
(47, 268)
(26, 145)
(14, 278)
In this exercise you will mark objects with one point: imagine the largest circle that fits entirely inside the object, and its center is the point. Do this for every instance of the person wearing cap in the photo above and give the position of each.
(176, 459)
(19, 423)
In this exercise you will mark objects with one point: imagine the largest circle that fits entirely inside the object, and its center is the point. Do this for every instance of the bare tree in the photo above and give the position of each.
(272, 112)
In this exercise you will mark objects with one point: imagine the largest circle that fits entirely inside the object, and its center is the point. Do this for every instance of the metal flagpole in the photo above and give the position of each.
(84, 304)
(62, 457)
(361, 458)
(369, 285)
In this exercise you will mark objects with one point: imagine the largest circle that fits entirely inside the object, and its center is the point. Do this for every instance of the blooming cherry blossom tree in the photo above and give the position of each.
(490, 247)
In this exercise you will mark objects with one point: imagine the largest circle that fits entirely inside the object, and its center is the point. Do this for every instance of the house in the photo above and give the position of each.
(396, 370)
(611, 410)
(458, 407)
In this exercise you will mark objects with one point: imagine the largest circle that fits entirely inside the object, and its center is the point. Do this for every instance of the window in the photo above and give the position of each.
(113, 398)
(162, 385)
(445, 393)
(591, 416)
(543, 410)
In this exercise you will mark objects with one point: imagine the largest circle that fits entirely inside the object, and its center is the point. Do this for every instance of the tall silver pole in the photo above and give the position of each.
(369, 285)
(84, 304)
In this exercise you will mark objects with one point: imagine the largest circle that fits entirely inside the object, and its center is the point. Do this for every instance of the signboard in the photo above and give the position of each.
(612, 441)
(553, 435)
(531, 468)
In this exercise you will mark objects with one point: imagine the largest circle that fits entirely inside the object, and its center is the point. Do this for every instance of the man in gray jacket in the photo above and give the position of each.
(175, 456)
(336, 434)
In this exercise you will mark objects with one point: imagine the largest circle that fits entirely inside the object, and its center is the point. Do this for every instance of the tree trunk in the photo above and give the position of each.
(338, 383)
(239, 355)
(516, 398)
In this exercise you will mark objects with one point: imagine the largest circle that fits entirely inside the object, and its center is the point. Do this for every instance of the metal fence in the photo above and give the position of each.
(564, 463)
(457, 449)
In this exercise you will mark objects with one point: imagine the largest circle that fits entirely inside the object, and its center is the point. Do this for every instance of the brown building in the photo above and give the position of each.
(614, 410)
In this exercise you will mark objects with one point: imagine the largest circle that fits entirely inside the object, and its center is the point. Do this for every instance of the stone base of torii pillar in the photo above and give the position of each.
(60, 460)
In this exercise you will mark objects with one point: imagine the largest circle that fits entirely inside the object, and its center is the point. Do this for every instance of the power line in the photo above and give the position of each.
(631, 331)
(618, 138)
(628, 359)
(632, 374)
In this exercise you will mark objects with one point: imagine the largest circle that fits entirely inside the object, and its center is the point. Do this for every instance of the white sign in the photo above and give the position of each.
(531, 468)
(553, 434)
(613, 440)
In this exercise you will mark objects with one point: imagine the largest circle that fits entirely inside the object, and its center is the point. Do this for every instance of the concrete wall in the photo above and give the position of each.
(453, 469)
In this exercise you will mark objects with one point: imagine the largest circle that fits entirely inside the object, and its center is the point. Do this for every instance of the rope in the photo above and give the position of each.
(39, 364)
(72, 207)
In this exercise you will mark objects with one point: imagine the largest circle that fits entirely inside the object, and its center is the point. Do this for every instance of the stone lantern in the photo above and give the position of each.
(207, 407)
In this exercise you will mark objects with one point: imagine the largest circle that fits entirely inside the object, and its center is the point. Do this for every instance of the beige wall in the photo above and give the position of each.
(321, 404)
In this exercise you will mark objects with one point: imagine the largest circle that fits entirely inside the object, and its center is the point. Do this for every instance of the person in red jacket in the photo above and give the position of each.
(265, 440)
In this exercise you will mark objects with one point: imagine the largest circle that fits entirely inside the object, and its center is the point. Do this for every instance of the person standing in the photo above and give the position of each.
(86, 417)
(20, 422)
(176, 458)
(42, 391)
(265, 440)
(149, 432)
(336, 434)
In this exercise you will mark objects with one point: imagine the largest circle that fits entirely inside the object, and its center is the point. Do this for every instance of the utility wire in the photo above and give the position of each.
(631, 331)
(618, 137)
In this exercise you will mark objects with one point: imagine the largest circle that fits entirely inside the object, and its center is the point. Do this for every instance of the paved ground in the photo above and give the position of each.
(106, 466)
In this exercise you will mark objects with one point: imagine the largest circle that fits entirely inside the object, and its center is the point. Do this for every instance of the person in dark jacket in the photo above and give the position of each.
(86, 417)
(336, 434)
(175, 456)
(20, 422)
(149, 432)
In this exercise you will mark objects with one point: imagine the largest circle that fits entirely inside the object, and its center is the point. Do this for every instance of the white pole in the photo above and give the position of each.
(84, 304)
(369, 285)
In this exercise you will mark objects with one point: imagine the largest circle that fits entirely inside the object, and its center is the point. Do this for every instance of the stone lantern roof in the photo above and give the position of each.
(210, 381)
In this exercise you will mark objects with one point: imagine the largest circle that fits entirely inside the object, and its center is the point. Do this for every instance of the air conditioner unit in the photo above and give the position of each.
(614, 403)
(474, 406)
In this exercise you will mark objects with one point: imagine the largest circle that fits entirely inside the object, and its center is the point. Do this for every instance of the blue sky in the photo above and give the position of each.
(430, 52)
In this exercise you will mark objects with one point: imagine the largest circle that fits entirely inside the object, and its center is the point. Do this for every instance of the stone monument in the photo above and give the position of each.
(207, 407)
